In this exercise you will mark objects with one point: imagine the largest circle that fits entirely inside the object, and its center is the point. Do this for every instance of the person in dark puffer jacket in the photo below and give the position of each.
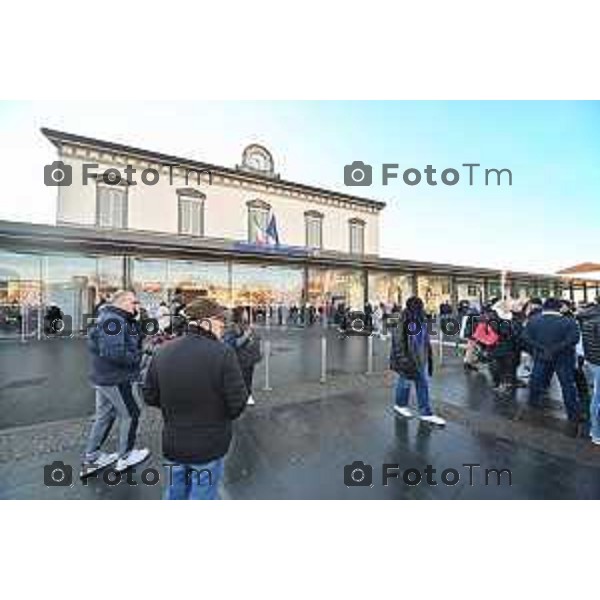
(589, 320)
(115, 347)
(197, 383)
(552, 338)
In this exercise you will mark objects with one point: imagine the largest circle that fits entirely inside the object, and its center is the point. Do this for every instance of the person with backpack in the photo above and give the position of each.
(242, 338)
(411, 357)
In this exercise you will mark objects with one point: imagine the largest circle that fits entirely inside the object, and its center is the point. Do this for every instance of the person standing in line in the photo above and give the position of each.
(115, 347)
(589, 320)
(411, 357)
(242, 338)
(552, 338)
(197, 383)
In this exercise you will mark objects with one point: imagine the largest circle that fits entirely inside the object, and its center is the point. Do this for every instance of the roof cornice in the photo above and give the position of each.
(61, 138)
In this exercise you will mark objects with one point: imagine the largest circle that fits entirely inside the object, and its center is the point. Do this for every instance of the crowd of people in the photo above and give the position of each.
(515, 340)
(198, 369)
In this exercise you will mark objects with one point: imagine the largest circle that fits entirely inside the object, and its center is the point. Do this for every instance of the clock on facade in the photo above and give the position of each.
(258, 159)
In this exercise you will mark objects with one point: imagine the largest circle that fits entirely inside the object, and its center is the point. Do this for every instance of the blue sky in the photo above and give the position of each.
(548, 219)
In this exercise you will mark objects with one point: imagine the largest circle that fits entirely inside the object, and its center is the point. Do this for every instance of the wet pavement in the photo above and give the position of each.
(296, 442)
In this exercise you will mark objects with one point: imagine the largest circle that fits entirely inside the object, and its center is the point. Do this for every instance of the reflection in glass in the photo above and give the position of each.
(75, 284)
(255, 285)
(20, 293)
(157, 280)
(389, 288)
(433, 290)
(336, 286)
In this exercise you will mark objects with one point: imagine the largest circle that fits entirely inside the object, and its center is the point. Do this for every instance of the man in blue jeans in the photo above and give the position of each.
(197, 383)
(589, 320)
(552, 339)
(412, 358)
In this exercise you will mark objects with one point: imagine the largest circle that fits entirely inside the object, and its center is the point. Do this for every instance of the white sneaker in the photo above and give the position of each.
(250, 401)
(596, 441)
(433, 419)
(104, 459)
(132, 458)
(403, 411)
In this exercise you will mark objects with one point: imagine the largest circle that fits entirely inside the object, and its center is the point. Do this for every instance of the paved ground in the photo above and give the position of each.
(297, 440)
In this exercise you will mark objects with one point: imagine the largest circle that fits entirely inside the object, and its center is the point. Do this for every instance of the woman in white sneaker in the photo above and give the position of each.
(411, 357)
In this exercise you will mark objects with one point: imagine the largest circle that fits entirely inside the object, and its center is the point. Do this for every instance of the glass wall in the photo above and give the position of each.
(76, 284)
(193, 278)
(389, 288)
(471, 290)
(33, 285)
(336, 286)
(158, 280)
(20, 293)
(433, 290)
(256, 285)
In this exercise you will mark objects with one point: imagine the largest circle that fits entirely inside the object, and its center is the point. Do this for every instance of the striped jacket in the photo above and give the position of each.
(589, 322)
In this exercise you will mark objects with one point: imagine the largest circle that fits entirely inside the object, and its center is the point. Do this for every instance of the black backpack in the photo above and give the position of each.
(250, 352)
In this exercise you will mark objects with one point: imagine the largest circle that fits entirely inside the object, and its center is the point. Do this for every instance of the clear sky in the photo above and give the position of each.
(548, 219)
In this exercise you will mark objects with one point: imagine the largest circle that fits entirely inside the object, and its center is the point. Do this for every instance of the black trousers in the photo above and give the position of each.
(248, 375)
(504, 368)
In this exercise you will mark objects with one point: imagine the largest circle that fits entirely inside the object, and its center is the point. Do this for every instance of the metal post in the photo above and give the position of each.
(42, 273)
(267, 352)
(23, 322)
(441, 343)
(370, 355)
(323, 359)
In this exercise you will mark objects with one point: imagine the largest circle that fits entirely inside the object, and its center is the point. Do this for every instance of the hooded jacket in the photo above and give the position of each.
(115, 346)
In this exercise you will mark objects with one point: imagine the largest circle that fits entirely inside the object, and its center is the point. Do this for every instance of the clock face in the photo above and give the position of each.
(258, 158)
(257, 161)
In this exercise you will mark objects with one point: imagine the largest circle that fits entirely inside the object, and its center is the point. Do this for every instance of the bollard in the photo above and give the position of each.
(441, 343)
(267, 353)
(370, 355)
(23, 322)
(323, 359)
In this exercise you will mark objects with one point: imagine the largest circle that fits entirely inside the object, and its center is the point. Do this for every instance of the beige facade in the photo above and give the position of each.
(224, 201)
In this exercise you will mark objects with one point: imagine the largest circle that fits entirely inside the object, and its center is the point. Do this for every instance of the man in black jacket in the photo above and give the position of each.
(589, 320)
(197, 383)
